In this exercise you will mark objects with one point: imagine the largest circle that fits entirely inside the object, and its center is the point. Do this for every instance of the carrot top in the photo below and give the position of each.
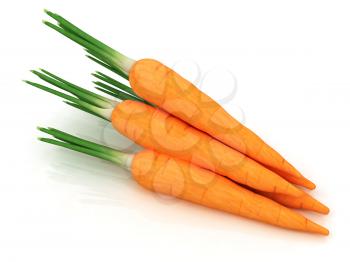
(79, 97)
(87, 147)
(97, 51)
(100, 53)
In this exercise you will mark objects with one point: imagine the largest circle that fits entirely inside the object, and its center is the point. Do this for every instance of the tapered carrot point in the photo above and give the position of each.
(302, 181)
(306, 202)
(321, 208)
(308, 184)
(290, 219)
(296, 179)
(316, 228)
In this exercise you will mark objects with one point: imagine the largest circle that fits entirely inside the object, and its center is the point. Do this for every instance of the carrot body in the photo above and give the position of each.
(155, 129)
(180, 179)
(174, 177)
(165, 88)
(305, 201)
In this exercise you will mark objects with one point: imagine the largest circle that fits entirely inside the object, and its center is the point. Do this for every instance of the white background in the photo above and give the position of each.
(291, 60)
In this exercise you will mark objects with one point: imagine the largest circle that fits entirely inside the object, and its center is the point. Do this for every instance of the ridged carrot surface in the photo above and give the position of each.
(177, 178)
(163, 174)
(160, 85)
(305, 201)
(155, 129)
(165, 88)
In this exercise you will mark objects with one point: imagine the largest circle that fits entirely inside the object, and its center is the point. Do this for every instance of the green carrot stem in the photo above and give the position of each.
(119, 86)
(70, 27)
(75, 86)
(77, 148)
(77, 39)
(113, 69)
(109, 93)
(104, 113)
(87, 147)
(81, 93)
(117, 93)
(108, 61)
(52, 91)
(89, 47)
(114, 82)
(76, 140)
(84, 109)
(82, 38)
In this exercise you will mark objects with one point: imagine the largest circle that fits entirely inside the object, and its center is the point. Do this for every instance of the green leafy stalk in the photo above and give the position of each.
(96, 48)
(118, 90)
(79, 98)
(114, 82)
(100, 53)
(114, 92)
(87, 45)
(108, 92)
(81, 93)
(99, 60)
(70, 27)
(73, 86)
(117, 71)
(84, 146)
(82, 98)
(77, 106)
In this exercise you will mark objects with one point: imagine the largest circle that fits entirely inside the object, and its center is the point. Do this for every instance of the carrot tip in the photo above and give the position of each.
(310, 185)
(325, 232)
(304, 182)
(324, 210)
(321, 209)
(316, 228)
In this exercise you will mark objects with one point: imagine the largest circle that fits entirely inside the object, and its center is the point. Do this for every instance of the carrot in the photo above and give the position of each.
(305, 201)
(155, 129)
(163, 174)
(163, 87)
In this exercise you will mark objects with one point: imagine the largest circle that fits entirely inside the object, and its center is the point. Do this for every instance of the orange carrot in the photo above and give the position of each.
(165, 88)
(305, 201)
(160, 85)
(163, 174)
(155, 129)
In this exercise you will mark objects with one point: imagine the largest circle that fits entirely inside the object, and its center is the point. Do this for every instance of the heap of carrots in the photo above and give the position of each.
(194, 149)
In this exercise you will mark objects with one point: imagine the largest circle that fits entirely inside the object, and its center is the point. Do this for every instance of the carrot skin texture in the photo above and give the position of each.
(165, 88)
(177, 178)
(306, 202)
(155, 129)
(301, 181)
